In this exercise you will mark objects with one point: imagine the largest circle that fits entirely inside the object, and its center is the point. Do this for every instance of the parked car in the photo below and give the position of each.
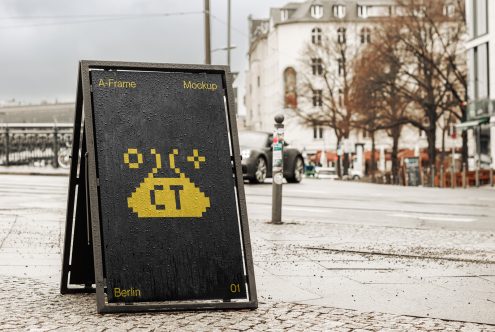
(355, 174)
(256, 151)
(326, 173)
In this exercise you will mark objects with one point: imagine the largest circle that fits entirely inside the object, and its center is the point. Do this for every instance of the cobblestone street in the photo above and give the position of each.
(34, 305)
(311, 274)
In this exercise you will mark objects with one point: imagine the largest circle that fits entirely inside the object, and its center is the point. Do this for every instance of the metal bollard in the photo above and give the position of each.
(441, 182)
(464, 175)
(491, 171)
(477, 173)
(452, 176)
(432, 175)
(278, 169)
(7, 146)
(55, 147)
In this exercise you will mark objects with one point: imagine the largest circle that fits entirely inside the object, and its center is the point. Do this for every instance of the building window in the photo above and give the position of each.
(478, 79)
(317, 66)
(477, 17)
(377, 11)
(317, 11)
(480, 19)
(481, 64)
(317, 98)
(341, 35)
(339, 11)
(316, 36)
(341, 98)
(258, 81)
(449, 10)
(290, 87)
(419, 11)
(362, 11)
(365, 35)
(284, 15)
(317, 132)
(340, 62)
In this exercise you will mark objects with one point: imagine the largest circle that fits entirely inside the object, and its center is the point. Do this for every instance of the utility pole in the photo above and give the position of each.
(207, 32)
(228, 33)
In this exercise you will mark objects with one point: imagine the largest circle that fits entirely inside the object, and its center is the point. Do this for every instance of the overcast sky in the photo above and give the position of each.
(41, 43)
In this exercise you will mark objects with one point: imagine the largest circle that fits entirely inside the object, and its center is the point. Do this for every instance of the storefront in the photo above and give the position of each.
(481, 120)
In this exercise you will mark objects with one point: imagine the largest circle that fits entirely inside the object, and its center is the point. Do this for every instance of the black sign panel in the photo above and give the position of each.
(163, 152)
(168, 213)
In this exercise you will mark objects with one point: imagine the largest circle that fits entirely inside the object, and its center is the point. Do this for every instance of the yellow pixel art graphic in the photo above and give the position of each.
(166, 197)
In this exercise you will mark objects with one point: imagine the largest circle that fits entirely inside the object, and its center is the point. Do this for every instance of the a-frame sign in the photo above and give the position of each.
(156, 212)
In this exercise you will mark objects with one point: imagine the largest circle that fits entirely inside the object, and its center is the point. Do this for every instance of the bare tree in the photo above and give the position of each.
(366, 101)
(326, 86)
(433, 65)
(376, 94)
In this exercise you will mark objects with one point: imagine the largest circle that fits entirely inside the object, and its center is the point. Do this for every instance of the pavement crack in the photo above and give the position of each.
(362, 252)
(360, 269)
(9, 232)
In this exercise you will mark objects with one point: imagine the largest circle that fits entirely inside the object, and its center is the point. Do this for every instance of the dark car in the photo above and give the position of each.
(256, 150)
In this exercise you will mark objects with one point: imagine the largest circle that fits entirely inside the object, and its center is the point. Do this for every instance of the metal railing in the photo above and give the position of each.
(35, 144)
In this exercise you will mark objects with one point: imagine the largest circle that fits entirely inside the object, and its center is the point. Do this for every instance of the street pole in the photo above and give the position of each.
(452, 170)
(55, 146)
(277, 169)
(207, 32)
(441, 184)
(478, 162)
(432, 175)
(228, 33)
(491, 171)
(7, 145)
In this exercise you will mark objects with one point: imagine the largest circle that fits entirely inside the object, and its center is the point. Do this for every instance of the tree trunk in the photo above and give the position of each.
(339, 170)
(442, 155)
(373, 159)
(395, 152)
(464, 147)
(432, 153)
(346, 163)
(345, 154)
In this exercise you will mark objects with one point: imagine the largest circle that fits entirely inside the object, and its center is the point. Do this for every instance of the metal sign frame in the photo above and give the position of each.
(84, 109)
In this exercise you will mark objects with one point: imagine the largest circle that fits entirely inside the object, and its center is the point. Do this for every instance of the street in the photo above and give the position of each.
(368, 204)
(349, 256)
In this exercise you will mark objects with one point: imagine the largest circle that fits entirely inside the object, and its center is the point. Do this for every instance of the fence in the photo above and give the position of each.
(35, 144)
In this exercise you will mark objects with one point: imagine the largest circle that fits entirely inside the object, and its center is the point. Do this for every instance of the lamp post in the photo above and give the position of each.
(207, 32)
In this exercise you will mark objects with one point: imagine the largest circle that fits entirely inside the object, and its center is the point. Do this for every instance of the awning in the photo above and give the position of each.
(470, 124)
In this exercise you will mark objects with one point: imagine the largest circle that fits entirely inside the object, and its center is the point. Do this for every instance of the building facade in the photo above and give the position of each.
(481, 73)
(276, 66)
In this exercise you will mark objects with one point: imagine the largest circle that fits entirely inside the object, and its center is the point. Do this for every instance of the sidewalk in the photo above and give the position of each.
(310, 276)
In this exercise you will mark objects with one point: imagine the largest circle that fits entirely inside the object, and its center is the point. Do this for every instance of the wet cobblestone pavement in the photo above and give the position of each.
(31, 305)
(311, 275)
